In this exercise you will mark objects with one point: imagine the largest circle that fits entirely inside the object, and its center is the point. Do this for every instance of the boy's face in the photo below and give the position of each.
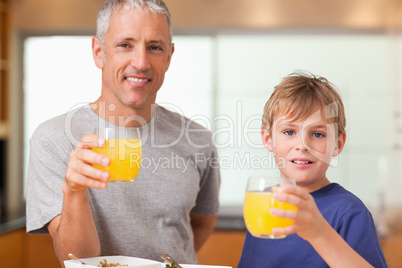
(303, 150)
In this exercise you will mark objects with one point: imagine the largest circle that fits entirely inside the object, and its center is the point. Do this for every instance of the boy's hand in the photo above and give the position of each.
(309, 222)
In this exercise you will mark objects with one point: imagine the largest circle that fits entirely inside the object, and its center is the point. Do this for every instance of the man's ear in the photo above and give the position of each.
(97, 52)
(169, 56)
(267, 139)
(340, 144)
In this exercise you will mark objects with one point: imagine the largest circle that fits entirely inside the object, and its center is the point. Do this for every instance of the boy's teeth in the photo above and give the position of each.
(301, 162)
(133, 79)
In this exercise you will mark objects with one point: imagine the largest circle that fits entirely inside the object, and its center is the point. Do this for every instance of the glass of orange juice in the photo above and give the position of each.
(257, 203)
(123, 148)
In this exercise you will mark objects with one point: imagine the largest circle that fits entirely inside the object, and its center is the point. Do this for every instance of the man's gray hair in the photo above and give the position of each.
(111, 7)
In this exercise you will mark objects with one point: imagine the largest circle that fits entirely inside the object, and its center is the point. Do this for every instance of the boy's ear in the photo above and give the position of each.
(266, 139)
(340, 144)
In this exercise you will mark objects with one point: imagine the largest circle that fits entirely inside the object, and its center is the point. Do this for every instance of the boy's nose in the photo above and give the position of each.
(301, 147)
(302, 144)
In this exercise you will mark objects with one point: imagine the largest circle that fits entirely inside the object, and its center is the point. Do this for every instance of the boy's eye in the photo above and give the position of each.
(318, 135)
(289, 132)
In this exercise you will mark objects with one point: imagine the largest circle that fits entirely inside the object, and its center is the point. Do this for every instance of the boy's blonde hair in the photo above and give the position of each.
(299, 95)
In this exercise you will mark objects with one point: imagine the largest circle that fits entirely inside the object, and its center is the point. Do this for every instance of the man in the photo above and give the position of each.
(168, 208)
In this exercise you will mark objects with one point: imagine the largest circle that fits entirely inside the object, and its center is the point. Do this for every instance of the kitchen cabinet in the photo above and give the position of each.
(21, 250)
(11, 249)
(222, 248)
(4, 64)
(4, 68)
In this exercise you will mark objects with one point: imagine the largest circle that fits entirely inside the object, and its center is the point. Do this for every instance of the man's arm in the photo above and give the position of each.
(74, 230)
(202, 226)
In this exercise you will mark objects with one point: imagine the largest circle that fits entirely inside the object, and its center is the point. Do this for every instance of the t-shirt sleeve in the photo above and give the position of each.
(48, 158)
(358, 229)
(207, 202)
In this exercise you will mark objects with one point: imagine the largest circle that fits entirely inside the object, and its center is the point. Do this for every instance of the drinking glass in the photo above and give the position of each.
(123, 148)
(257, 203)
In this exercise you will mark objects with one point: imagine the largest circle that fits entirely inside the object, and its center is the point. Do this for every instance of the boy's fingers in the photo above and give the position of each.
(282, 213)
(295, 190)
(284, 231)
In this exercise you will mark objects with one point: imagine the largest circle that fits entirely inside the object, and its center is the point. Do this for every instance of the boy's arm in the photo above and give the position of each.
(335, 251)
(312, 226)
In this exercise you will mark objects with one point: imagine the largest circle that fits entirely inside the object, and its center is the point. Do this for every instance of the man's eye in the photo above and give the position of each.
(124, 45)
(155, 48)
(289, 132)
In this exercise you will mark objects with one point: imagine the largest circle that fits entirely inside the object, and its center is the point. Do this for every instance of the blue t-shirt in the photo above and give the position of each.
(343, 211)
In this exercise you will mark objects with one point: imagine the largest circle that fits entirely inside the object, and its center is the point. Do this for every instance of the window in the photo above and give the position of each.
(223, 82)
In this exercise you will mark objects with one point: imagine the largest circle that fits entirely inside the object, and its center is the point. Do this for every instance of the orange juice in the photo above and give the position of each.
(125, 158)
(256, 214)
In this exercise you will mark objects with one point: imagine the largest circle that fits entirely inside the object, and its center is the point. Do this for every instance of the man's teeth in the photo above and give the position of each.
(133, 79)
(301, 162)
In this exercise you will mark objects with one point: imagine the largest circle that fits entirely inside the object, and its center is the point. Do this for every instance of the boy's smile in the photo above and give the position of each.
(301, 162)
(304, 148)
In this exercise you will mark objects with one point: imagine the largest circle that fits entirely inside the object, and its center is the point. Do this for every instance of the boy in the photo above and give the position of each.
(304, 126)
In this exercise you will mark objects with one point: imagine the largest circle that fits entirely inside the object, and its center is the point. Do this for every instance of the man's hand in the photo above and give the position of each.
(80, 173)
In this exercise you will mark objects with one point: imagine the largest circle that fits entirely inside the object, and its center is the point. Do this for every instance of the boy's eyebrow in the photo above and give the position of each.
(318, 126)
(287, 124)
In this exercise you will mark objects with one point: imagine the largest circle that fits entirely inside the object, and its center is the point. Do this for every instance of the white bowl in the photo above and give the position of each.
(202, 266)
(132, 262)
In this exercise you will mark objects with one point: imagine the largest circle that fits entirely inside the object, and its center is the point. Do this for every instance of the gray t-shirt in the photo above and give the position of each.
(151, 215)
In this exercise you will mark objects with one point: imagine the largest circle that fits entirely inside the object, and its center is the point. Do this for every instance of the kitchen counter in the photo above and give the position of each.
(223, 247)
(12, 225)
(230, 219)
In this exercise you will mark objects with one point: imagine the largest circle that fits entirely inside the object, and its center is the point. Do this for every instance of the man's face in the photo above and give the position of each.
(304, 149)
(134, 59)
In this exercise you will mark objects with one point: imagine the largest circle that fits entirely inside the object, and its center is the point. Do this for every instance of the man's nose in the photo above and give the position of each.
(140, 59)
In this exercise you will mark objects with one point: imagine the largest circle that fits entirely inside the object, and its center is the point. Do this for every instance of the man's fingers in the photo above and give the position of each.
(81, 182)
(90, 141)
(90, 157)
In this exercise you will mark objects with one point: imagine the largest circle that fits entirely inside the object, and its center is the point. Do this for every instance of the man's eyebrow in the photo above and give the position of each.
(161, 42)
(123, 39)
(131, 39)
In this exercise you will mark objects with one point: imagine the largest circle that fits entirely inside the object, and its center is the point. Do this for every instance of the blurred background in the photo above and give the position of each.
(229, 56)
